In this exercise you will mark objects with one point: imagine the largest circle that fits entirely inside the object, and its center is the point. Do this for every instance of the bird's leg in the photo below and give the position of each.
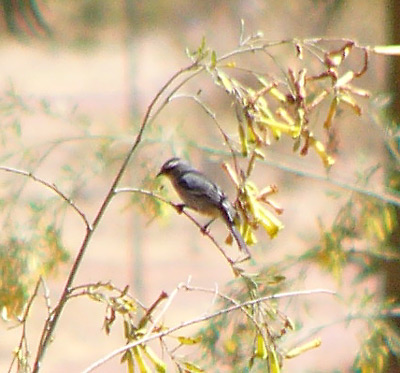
(205, 228)
(179, 207)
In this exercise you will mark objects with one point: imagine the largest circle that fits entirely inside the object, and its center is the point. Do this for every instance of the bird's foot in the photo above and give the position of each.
(179, 207)
(205, 230)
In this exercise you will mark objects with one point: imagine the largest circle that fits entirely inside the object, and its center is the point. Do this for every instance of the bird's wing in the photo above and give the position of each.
(200, 186)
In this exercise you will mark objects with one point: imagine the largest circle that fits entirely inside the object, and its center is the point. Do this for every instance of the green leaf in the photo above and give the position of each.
(273, 361)
(189, 340)
(224, 80)
(143, 367)
(128, 358)
(390, 50)
(345, 79)
(350, 101)
(213, 60)
(303, 348)
(261, 350)
(192, 368)
(160, 366)
(331, 112)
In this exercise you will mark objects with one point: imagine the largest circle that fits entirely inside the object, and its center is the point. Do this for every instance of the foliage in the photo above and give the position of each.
(33, 222)
(24, 17)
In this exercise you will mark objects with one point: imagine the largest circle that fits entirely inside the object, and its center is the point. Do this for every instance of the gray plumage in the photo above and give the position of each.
(202, 195)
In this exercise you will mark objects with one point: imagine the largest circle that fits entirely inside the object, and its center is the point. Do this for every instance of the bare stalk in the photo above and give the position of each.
(52, 320)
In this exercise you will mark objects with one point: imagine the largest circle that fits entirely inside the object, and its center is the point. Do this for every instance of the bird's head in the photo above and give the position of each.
(174, 167)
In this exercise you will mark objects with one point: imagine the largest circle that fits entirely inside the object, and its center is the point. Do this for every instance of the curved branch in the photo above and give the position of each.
(213, 116)
(52, 187)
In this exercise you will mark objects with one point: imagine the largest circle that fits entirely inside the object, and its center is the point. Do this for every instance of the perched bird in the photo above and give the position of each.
(202, 195)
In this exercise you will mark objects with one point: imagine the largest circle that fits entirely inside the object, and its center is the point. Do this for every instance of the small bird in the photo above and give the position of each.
(202, 195)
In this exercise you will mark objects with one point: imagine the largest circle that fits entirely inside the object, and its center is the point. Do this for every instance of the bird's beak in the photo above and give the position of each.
(160, 173)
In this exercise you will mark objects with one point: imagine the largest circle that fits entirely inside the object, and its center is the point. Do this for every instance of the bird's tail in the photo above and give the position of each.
(230, 216)
(239, 239)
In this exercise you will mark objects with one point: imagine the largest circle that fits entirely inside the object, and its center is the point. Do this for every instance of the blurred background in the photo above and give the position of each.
(86, 71)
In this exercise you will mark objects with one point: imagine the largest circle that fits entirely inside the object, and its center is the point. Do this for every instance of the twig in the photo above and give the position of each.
(23, 345)
(170, 297)
(147, 316)
(213, 116)
(50, 186)
(184, 212)
(229, 299)
(46, 294)
(202, 319)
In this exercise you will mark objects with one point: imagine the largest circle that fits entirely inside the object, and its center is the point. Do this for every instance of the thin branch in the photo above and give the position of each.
(46, 294)
(167, 304)
(149, 311)
(227, 298)
(23, 345)
(176, 88)
(52, 187)
(202, 319)
(213, 116)
(384, 197)
(178, 208)
(341, 184)
(38, 161)
(52, 321)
